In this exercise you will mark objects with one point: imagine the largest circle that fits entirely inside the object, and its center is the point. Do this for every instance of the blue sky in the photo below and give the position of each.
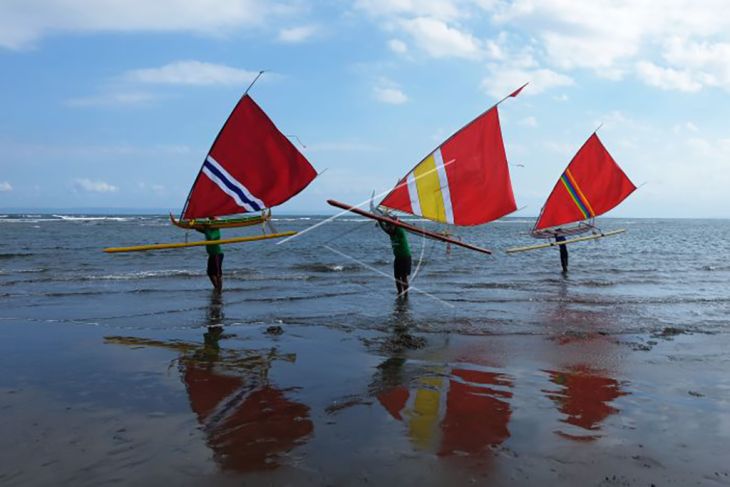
(115, 104)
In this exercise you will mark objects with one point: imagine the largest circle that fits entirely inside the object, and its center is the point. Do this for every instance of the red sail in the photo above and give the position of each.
(465, 181)
(251, 166)
(591, 185)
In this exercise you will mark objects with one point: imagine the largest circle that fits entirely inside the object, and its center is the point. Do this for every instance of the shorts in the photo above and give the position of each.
(215, 265)
(402, 266)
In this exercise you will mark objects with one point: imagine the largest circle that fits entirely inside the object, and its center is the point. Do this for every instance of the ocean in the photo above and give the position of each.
(659, 273)
(497, 368)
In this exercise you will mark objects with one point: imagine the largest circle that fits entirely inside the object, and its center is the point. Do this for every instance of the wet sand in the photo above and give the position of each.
(339, 405)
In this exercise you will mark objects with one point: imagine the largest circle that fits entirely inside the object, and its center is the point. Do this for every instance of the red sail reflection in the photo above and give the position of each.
(248, 429)
(584, 398)
(473, 416)
(249, 423)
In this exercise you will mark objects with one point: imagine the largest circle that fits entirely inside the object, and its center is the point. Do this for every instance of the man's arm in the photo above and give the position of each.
(386, 227)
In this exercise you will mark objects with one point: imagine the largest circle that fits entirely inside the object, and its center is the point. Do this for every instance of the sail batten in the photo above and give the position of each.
(465, 181)
(591, 185)
(251, 166)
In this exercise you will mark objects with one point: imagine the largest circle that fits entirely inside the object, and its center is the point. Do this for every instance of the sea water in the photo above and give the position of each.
(660, 273)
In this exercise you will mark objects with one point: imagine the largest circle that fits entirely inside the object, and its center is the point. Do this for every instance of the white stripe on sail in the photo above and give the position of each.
(444, 183)
(237, 183)
(226, 189)
(413, 194)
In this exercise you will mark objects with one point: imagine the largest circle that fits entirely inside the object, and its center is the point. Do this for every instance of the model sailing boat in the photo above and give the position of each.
(464, 182)
(250, 168)
(590, 186)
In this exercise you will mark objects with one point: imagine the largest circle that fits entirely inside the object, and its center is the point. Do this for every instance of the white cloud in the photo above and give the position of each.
(390, 95)
(5, 187)
(24, 22)
(294, 35)
(708, 63)
(686, 127)
(504, 80)
(667, 78)
(386, 91)
(397, 46)
(113, 99)
(151, 188)
(191, 73)
(442, 9)
(89, 186)
(529, 121)
(678, 45)
(439, 40)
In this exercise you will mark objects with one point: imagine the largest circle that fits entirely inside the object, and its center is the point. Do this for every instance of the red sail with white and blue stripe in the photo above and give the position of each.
(591, 185)
(251, 166)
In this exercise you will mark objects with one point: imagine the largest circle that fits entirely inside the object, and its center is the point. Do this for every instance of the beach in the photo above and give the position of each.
(308, 371)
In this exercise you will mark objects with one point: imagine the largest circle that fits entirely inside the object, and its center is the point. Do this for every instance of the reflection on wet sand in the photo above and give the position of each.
(585, 389)
(584, 396)
(448, 410)
(249, 423)
(452, 411)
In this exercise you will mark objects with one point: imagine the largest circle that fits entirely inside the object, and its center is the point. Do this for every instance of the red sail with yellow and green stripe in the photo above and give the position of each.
(591, 185)
(465, 181)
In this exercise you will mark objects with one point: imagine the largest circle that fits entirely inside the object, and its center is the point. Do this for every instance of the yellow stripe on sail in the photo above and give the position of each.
(430, 197)
(423, 426)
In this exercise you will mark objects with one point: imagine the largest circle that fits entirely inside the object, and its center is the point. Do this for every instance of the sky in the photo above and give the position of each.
(114, 104)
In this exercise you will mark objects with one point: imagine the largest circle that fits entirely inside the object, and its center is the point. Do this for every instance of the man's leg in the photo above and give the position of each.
(406, 271)
(210, 270)
(404, 285)
(219, 272)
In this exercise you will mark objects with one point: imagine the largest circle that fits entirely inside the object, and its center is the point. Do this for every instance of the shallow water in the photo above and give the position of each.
(500, 370)
(659, 273)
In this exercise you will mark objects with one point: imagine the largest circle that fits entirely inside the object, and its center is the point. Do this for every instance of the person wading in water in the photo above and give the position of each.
(402, 254)
(215, 256)
(563, 252)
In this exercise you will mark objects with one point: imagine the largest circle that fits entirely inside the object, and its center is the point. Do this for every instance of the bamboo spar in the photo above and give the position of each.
(142, 248)
(514, 250)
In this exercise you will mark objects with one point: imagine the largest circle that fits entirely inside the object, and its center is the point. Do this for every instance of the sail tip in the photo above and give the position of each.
(518, 90)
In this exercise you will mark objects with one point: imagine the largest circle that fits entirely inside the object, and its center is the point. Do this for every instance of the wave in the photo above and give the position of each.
(32, 270)
(97, 218)
(326, 267)
(13, 255)
(28, 220)
(128, 276)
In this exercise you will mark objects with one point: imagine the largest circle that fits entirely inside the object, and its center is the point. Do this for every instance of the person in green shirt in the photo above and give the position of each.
(215, 256)
(402, 254)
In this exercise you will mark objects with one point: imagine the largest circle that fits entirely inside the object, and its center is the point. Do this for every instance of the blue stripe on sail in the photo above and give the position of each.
(230, 185)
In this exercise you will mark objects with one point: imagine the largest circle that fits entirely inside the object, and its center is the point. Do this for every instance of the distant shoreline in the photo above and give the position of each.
(165, 212)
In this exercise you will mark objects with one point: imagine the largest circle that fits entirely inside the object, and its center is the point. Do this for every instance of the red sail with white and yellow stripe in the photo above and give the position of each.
(591, 185)
(465, 181)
